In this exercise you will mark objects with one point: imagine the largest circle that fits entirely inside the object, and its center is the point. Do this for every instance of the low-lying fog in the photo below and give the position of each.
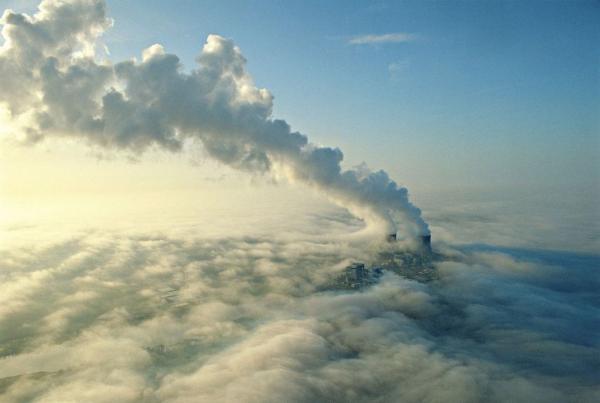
(219, 300)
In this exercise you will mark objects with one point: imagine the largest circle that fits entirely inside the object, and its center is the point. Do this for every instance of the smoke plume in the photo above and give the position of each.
(61, 85)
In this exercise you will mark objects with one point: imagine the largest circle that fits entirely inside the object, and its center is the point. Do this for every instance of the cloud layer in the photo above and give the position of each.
(105, 316)
(59, 88)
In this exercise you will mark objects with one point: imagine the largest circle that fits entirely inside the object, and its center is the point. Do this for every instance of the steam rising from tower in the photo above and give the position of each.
(58, 87)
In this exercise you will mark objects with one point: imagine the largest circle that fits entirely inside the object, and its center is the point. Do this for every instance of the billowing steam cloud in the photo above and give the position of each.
(58, 87)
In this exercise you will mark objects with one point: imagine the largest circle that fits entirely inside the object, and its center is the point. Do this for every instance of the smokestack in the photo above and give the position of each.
(425, 243)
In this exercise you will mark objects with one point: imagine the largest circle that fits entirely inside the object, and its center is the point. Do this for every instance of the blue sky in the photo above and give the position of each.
(481, 93)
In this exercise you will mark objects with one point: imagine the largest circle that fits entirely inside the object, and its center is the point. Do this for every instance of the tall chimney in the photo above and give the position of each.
(426, 243)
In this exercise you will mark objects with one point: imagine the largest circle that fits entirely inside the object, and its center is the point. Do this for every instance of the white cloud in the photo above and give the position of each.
(372, 39)
(219, 319)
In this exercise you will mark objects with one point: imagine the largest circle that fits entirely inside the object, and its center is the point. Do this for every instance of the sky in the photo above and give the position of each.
(473, 94)
(488, 92)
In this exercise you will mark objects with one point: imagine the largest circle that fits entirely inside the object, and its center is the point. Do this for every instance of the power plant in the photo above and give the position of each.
(424, 241)
(415, 265)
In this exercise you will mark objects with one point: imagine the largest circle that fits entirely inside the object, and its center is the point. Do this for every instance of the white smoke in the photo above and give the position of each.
(58, 87)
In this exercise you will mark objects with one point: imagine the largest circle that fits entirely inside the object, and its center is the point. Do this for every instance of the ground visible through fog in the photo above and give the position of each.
(220, 299)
